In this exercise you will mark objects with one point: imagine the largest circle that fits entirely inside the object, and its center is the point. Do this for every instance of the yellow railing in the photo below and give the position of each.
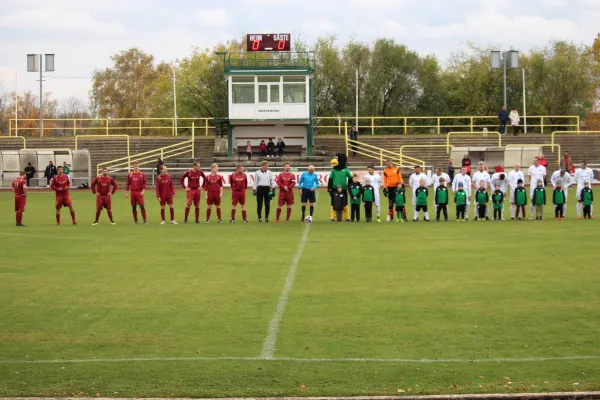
(570, 132)
(16, 137)
(436, 124)
(552, 147)
(471, 133)
(147, 157)
(326, 125)
(112, 126)
(377, 153)
(418, 146)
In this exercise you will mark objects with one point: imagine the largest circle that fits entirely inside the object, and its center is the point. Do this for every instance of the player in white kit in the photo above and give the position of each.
(413, 182)
(513, 179)
(535, 173)
(563, 178)
(374, 179)
(481, 175)
(583, 175)
(435, 178)
(465, 179)
(499, 178)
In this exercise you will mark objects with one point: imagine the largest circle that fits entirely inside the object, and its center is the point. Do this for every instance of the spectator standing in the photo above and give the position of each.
(249, 150)
(50, 173)
(262, 148)
(566, 162)
(354, 137)
(503, 119)
(544, 163)
(450, 171)
(29, 173)
(515, 120)
(466, 162)
(271, 148)
(280, 147)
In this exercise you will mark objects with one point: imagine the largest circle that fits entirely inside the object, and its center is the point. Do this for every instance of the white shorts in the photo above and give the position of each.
(579, 189)
(512, 196)
(376, 198)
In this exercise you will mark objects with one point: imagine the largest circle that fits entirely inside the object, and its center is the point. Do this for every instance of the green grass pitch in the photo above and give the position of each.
(377, 309)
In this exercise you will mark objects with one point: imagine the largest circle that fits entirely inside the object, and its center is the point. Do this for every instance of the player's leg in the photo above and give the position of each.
(267, 206)
(17, 207)
(162, 212)
(171, 211)
(133, 202)
(377, 206)
(280, 203)
(217, 201)
(312, 200)
(209, 204)
(426, 213)
(234, 203)
(391, 195)
(140, 201)
(357, 215)
(259, 202)
(531, 204)
(445, 211)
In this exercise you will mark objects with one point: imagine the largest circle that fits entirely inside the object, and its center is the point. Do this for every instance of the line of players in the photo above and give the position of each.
(104, 187)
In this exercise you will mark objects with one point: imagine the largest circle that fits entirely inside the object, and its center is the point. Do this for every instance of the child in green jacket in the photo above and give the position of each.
(539, 200)
(355, 193)
(498, 203)
(400, 201)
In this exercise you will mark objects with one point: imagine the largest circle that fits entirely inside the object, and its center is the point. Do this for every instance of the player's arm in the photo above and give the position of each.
(143, 184)
(172, 187)
(385, 180)
(279, 182)
(316, 182)
(221, 181)
(157, 189)
(93, 185)
(114, 185)
(182, 180)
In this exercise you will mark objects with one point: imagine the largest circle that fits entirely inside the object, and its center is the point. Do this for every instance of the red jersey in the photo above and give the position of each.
(136, 182)
(101, 185)
(213, 183)
(60, 184)
(193, 178)
(239, 182)
(286, 179)
(165, 188)
(19, 185)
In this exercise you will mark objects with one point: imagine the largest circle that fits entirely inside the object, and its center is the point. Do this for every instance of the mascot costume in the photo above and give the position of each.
(340, 175)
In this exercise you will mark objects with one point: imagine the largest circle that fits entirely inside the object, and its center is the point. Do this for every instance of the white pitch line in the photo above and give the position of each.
(310, 360)
(268, 350)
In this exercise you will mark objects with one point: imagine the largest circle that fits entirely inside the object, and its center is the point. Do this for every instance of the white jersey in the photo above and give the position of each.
(583, 175)
(436, 180)
(465, 180)
(536, 173)
(513, 178)
(481, 176)
(564, 180)
(495, 180)
(373, 180)
(414, 180)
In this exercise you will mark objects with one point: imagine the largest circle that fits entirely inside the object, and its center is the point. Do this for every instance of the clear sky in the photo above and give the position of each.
(84, 33)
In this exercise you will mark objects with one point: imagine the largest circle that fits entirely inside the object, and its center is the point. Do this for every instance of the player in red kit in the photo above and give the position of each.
(61, 184)
(136, 182)
(192, 188)
(165, 191)
(213, 184)
(286, 182)
(19, 187)
(239, 183)
(101, 187)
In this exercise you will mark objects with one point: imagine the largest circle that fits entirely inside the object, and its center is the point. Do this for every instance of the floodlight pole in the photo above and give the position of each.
(504, 68)
(41, 100)
(524, 104)
(356, 122)
(174, 98)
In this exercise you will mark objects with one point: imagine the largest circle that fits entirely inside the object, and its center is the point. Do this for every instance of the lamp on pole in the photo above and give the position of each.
(505, 60)
(35, 64)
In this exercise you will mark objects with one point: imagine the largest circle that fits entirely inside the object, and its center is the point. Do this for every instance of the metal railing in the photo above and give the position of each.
(436, 124)
(126, 137)
(147, 157)
(16, 137)
(111, 126)
(377, 153)
(326, 125)
(569, 132)
(484, 134)
(420, 146)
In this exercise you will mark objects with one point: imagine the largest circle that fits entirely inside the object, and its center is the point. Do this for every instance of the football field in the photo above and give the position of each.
(293, 309)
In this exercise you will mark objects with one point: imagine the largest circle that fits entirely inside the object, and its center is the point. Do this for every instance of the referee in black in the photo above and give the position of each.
(264, 190)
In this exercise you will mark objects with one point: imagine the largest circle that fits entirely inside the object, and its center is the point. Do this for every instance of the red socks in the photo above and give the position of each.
(58, 218)
(19, 217)
(109, 214)
(172, 211)
(187, 212)
(143, 214)
(73, 216)
(135, 215)
(244, 215)
(208, 211)
(233, 214)
(289, 213)
(278, 214)
(162, 214)
(197, 213)
(98, 215)
(219, 213)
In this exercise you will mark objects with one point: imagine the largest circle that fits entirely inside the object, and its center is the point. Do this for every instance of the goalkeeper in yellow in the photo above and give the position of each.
(340, 175)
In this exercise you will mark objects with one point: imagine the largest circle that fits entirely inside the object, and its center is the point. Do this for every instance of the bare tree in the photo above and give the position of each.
(73, 107)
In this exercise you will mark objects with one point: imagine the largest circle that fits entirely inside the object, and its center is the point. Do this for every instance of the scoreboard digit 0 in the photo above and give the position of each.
(268, 42)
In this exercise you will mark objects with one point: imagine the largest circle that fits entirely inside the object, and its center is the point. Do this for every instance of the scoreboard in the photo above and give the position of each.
(268, 42)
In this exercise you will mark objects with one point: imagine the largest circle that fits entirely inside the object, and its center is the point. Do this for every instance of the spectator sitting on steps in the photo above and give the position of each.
(271, 148)
(262, 148)
(280, 147)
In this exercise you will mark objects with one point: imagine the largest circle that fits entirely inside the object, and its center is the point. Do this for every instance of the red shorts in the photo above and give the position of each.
(168, 201)
(103, 202)
(238, 197)
(63, 200)
(20, 202)
(286, 198)
(137, 198)
(193, 196)
(213, 198)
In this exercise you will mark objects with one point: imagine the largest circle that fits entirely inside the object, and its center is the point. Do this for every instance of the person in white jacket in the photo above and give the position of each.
(413, 182)
(583, 175)
(374, 179)
(481, 175)
(437, 176)
(563, 178)
(515, 120)
(465, 179)
(513, 178)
